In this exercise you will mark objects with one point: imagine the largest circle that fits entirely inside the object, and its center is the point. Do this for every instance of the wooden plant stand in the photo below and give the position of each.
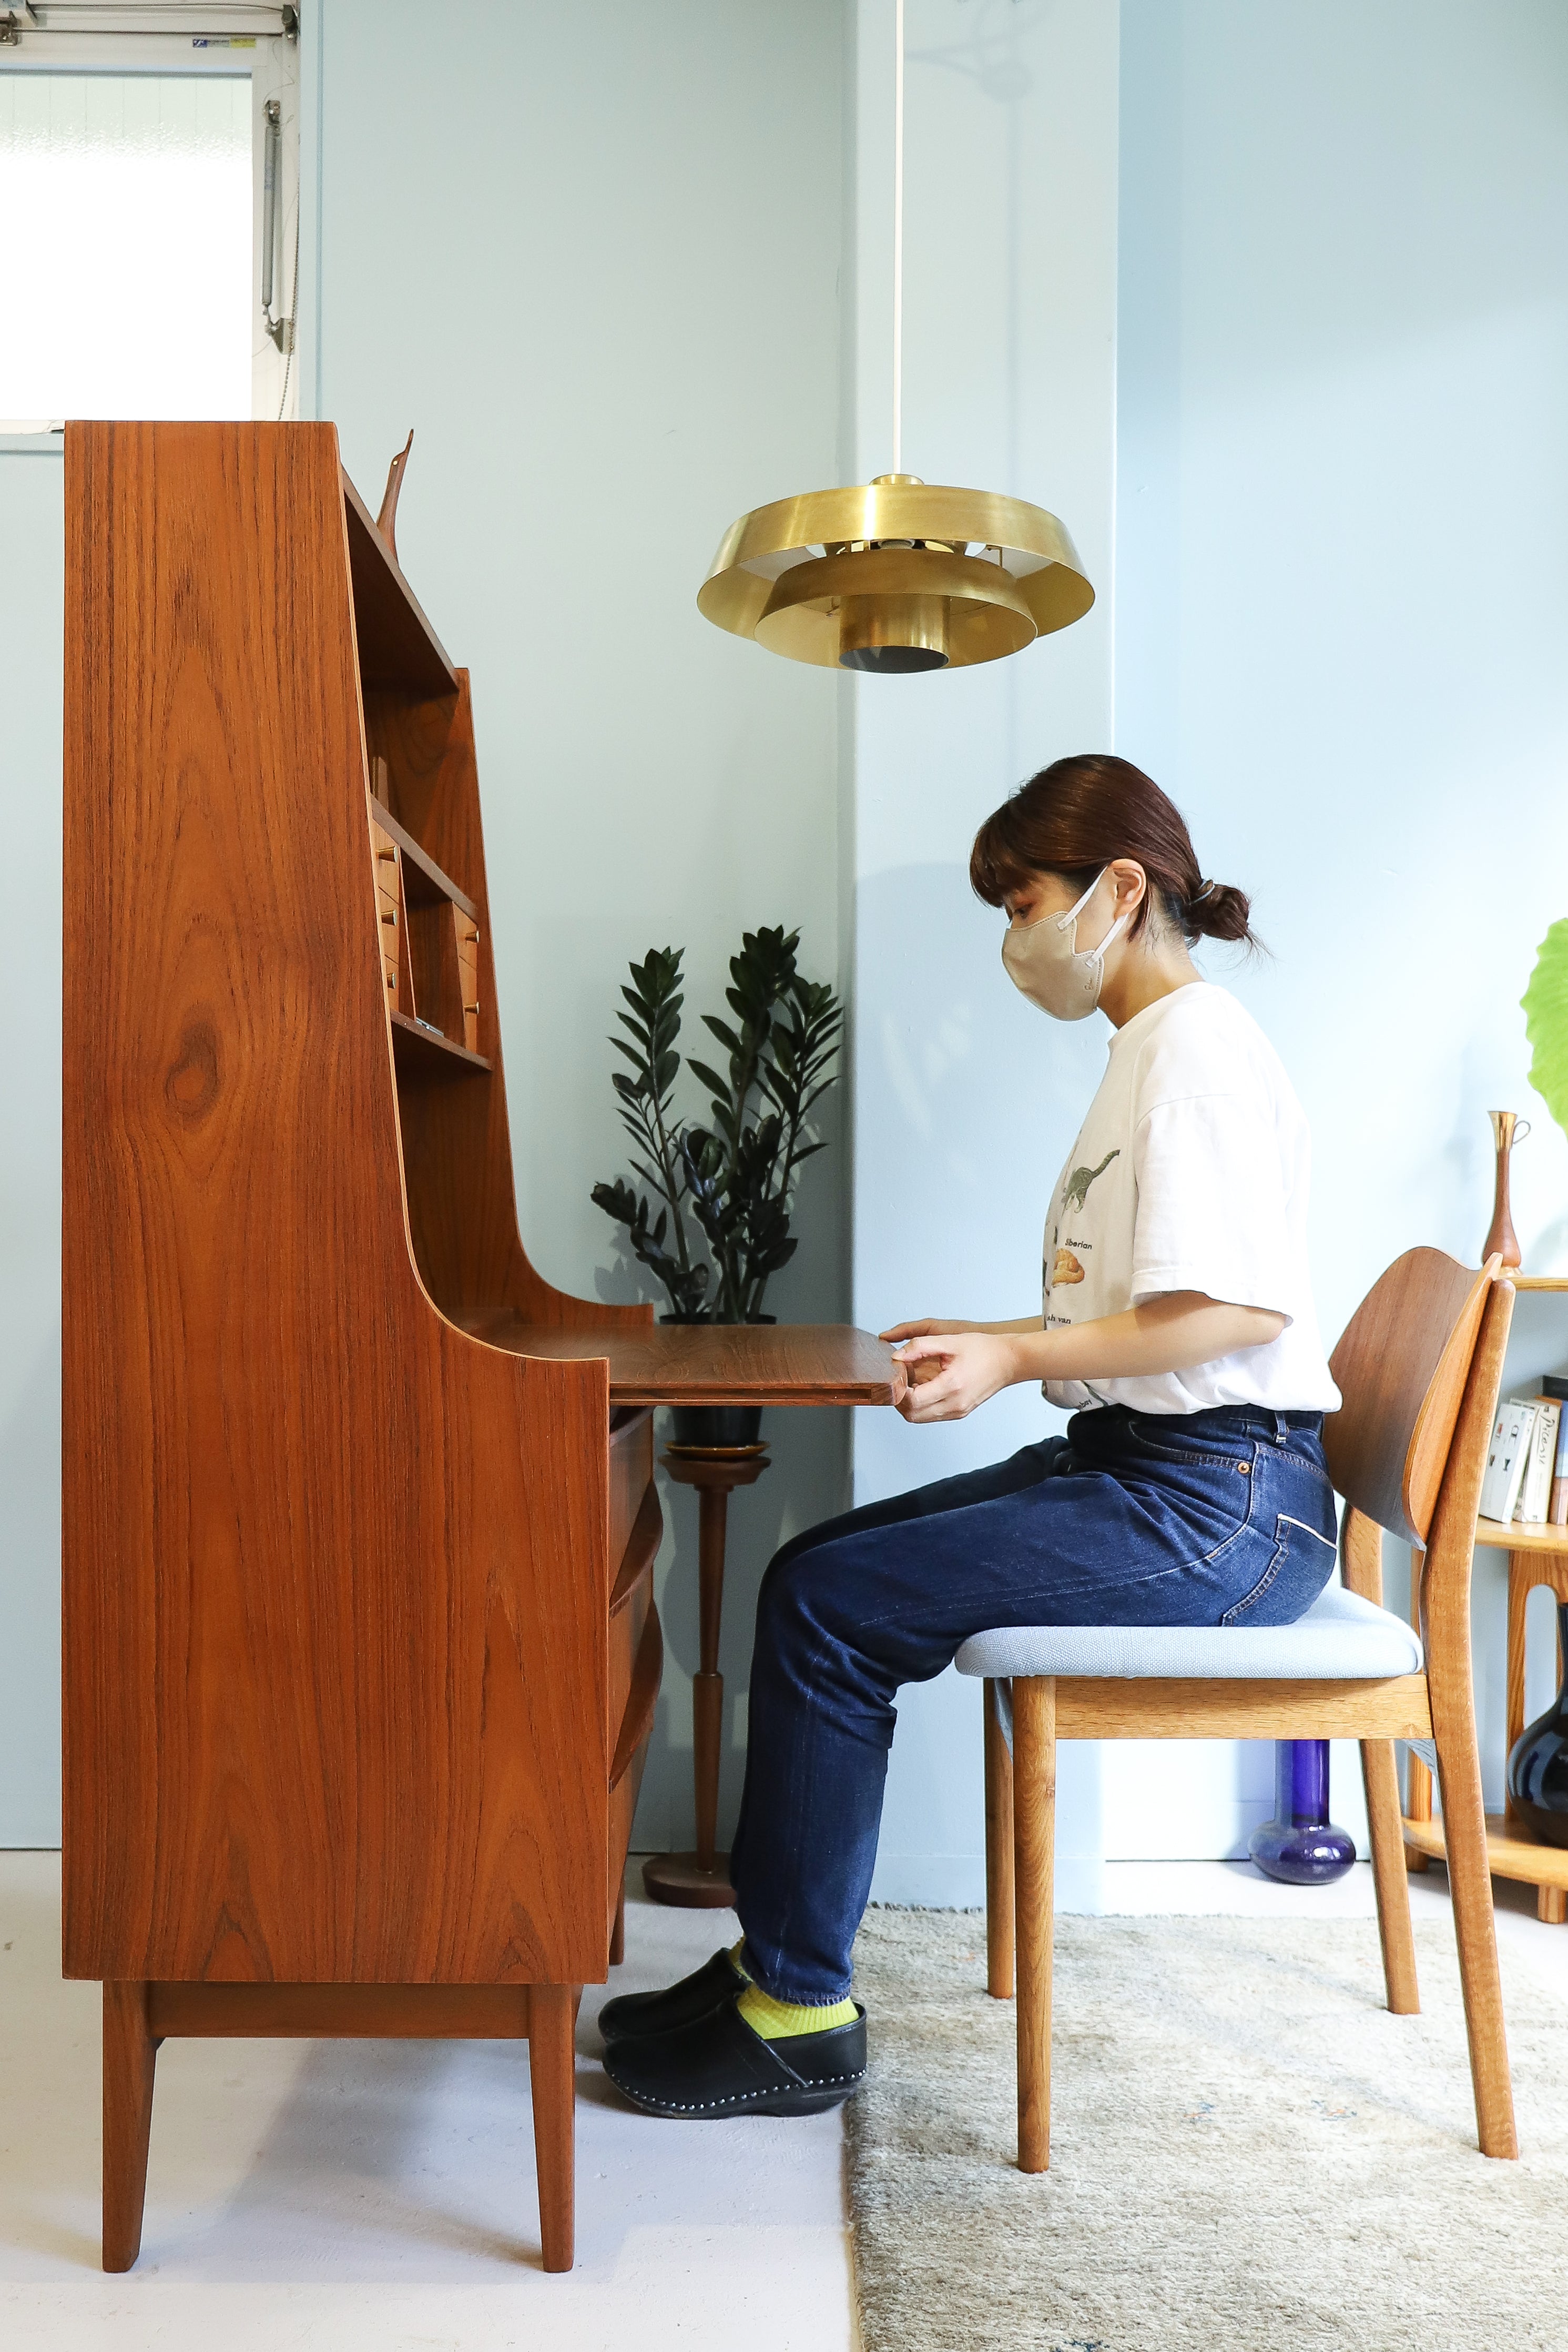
(700, 1881)
(1537, 1555)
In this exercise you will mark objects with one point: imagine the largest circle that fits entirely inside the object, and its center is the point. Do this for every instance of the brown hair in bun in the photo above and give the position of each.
(1078, 814)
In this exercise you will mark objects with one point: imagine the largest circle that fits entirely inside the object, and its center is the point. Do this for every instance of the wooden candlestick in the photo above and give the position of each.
(700, 1881)
(1507, 1131)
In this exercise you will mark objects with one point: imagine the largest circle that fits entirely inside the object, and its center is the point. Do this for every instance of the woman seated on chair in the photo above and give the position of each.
(1189, 1488)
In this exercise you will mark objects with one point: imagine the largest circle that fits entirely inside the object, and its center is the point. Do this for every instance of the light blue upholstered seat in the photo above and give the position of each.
(1341, 1638)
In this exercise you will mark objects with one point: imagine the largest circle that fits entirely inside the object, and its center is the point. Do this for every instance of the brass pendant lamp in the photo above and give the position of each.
(896, 575)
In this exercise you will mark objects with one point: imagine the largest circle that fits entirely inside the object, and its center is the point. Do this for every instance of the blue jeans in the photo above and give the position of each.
(1224, 1518)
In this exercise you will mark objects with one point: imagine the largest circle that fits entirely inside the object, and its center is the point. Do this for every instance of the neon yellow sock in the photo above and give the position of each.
(774, 2021)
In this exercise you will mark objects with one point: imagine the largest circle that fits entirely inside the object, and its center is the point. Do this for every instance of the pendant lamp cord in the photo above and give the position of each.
(898, 234)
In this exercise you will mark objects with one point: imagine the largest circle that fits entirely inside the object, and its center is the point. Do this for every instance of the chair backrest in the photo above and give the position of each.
(1401, 1368)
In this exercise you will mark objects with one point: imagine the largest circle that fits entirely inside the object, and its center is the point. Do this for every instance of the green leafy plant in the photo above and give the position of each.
(717, 1226)
(1545, 1005)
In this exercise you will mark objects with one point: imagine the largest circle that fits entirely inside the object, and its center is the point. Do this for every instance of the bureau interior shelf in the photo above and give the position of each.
(396, 645)
(418, 1050)
(423, 880)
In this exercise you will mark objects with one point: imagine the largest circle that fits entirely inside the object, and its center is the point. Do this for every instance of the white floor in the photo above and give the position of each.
(314, 2197)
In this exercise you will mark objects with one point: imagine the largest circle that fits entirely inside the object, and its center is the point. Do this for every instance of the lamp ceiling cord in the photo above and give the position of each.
(894, 576)
(897, 233)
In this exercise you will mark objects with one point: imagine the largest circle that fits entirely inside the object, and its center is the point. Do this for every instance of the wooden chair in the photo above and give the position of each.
(1418, 1368)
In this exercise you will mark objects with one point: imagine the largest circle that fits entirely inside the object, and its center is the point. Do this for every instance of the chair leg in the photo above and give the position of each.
(552, 2033)
(129, 2053)
(618, 1933)
(1381, 1775)
(1034, 1844)
(999, 1853)
(1469, 1885)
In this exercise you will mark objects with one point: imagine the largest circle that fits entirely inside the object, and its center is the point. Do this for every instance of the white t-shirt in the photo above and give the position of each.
(1190, 1173)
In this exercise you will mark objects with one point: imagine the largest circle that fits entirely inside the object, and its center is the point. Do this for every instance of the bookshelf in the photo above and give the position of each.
(1536, 1555)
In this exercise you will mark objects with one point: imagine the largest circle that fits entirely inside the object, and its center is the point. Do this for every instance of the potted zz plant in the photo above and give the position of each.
(713, 1224)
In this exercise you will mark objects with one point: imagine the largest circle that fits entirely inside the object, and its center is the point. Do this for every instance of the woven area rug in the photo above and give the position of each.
(1248, 2153)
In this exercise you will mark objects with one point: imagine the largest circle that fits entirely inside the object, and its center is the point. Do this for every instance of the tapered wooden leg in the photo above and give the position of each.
(1034, 1849)
(553, 2024)
(618, 1933)
(1552, 1905)
(1381, 1775)
(1418, 1781)
(707, 1683)
(1469, 1885)
(129, 2053)
(999, 1853)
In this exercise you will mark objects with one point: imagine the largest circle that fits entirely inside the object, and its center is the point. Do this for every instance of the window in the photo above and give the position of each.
(146, 168)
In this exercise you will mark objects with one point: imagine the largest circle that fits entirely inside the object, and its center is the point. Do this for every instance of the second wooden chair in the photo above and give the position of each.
(1418, 1368)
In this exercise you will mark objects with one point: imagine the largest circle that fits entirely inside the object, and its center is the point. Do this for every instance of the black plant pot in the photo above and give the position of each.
(716, 1424)
(1538, 1767)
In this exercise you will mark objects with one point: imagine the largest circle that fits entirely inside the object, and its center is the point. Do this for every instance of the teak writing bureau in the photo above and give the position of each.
(360, 1657)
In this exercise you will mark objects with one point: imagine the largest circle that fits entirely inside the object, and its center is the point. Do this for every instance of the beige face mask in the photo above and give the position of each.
(1045, 962)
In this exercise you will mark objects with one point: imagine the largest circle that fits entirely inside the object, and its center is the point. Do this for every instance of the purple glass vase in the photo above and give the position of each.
(1301, 1844)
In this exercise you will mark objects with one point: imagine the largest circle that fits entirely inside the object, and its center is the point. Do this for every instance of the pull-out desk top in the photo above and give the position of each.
(715, 1363)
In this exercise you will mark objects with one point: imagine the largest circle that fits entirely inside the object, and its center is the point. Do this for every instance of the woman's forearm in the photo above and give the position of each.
(942, 1371)
(1169, 1334)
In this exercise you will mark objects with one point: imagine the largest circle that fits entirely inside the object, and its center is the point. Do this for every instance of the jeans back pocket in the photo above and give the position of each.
(1301, 1564)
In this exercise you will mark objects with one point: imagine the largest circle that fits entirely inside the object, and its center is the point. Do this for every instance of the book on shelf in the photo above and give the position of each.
(1541, 1461)
(1506, 1457)
(1557, 1509)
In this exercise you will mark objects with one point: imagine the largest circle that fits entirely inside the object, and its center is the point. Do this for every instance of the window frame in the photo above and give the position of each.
(271, 63)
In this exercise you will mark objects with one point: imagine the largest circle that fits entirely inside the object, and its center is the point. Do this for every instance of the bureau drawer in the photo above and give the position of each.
(631, 1474)
(622, 1812)
(631, 1602)
(637, 1718)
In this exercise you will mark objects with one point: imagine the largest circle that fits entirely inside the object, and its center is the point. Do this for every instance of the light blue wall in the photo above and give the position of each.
(592, 259)
(603, 277)
(1342, 577)
(31, 564)
(966, 1098)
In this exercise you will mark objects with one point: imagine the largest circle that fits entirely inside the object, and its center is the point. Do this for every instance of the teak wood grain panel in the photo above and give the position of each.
(335, 1574)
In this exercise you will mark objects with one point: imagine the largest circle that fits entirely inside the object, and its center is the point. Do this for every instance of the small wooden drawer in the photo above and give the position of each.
(384, 855)
(387, 866)
(467, 933)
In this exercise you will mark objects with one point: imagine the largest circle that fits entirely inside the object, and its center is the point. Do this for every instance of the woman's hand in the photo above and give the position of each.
(924, 1330)
(951, 1368)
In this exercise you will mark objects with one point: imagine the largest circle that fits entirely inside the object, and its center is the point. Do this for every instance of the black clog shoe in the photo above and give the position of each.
(719, 2066)
(717, 1981)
